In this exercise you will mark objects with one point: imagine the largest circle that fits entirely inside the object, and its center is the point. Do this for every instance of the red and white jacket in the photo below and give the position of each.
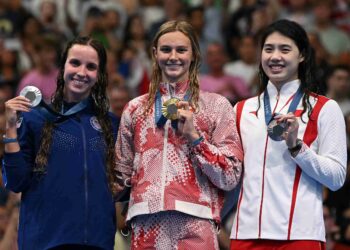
(166, 171)
(281, 196)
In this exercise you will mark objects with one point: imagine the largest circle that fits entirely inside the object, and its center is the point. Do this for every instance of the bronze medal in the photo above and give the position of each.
(169, 108)
(275, 130)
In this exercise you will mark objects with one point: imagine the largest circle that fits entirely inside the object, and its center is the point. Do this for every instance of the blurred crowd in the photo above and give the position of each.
(33, 33)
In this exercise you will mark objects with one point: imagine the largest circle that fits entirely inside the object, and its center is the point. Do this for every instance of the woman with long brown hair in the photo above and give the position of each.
(62, 157)
(177, 149)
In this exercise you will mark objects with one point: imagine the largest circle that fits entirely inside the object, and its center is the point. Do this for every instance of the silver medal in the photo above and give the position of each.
(33, 94)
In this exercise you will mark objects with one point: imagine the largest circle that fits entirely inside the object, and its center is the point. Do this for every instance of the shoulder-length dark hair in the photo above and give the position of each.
(100, 106)
(306, 69)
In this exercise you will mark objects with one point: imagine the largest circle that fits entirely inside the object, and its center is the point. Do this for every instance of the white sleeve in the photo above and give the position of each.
(328, 164)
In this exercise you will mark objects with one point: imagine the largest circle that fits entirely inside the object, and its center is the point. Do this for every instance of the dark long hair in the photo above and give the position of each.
(187, 29)
(306, 69)
(100, 106)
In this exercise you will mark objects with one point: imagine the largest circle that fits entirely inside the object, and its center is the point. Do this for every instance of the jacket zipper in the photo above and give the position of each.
(85, 183)
(263, 173)
(164, 163)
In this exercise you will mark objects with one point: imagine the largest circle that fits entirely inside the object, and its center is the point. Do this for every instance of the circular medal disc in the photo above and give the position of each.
(33, 94)
(169, 108)
(275, 131)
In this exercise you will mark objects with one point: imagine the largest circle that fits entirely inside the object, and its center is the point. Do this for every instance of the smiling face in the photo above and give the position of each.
(280, 58)
(80, 72)
(174, 56)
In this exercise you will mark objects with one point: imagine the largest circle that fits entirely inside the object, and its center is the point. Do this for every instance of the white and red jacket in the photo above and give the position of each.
(167, 172)
(281, 196)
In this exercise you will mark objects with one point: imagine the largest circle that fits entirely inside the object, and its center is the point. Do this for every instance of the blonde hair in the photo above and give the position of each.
(156, 77)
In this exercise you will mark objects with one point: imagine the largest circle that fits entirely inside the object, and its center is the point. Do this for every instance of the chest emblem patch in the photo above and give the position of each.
(95, 124)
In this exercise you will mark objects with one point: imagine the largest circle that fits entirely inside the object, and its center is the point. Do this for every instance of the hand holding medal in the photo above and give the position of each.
(276, 129)
(29, 97)
(279, 127)
(33, 94)
(170, 108)
(185, 121)
(284, 127)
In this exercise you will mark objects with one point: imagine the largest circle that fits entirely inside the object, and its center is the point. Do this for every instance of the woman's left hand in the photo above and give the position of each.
(185, 121)
(290, 134)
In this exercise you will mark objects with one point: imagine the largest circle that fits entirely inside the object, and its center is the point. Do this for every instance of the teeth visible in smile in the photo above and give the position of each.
(78, 82)
(276, 66)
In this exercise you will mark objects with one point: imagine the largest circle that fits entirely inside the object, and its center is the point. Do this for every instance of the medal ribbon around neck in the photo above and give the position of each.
(54, 116)
(292, 107)
(160, 119)
(34, 95)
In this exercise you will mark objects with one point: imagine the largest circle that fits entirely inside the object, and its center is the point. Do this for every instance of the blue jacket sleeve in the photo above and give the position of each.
(17, 167)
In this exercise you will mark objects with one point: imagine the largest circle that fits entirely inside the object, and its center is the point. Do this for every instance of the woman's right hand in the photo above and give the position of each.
(14, 105)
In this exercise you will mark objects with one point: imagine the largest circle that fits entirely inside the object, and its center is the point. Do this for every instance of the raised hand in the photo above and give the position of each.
(290, 134)
(185, 121)
(14, 105)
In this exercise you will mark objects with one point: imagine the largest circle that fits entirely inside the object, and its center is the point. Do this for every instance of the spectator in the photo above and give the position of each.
(48, 17)
(323, 60)
(196, 17)
(298, 11)
(214, 18)
(45, 71)
(332, 38)
(31, 29)
(92, 25)
(173, 10)
(62, 16)
(9, 71)
(104, 20)
(152, 12)
(341, 15)
(139, 63)
(216, 81)
(6, 93)
(119, 96)
(114, 77)
(133, 71)
(338, 86)
(246, 66)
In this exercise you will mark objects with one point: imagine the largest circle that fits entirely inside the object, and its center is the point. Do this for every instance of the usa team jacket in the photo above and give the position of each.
(166, 171)
(281, 196)
(71, 203)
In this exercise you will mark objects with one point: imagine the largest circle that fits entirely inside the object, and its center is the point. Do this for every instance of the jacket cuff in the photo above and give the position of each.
(13, 159)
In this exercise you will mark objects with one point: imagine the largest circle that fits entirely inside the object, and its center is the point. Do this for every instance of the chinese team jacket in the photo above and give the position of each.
(281, 196)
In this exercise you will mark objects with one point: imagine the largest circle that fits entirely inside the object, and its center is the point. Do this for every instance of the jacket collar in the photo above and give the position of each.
(287, 89)
(177, 89)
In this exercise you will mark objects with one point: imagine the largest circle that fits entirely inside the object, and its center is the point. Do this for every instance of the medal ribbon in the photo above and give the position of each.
(160, 119)
(292, 107)
(54, 116)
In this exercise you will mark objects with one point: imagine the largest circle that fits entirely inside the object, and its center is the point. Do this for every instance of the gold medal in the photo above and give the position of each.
(169, 108)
